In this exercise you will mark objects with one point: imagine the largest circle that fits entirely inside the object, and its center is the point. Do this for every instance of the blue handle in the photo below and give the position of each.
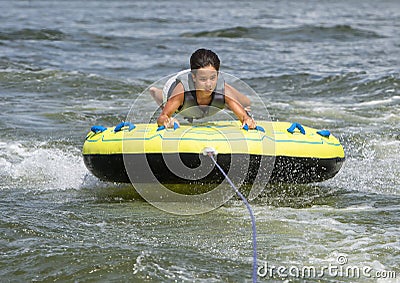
(324, 133)
(261, 129)
(124, 124)
(296, 126)
(258, 128)
(98, 129)
(176, 126)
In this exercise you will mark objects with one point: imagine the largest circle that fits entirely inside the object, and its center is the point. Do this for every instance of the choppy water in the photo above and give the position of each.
(66, 65)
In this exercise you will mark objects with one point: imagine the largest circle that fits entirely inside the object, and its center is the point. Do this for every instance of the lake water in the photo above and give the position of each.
(68, 65)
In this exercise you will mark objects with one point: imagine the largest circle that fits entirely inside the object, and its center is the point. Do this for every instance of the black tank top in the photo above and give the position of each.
(190, 108)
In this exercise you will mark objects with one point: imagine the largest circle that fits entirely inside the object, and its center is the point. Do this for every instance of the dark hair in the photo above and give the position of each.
(202, 58)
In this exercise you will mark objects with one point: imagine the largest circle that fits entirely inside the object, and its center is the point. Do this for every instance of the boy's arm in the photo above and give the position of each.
(171, 106)
(237, 95)
(239, 111)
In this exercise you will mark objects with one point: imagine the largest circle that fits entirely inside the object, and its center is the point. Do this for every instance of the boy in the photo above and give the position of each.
(201, 92)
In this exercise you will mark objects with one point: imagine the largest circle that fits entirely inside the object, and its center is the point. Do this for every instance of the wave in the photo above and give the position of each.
(360, 83)
(16, 75)
(37, 166)
(145, 19)
(33, 34)
(336, 101)
(301, 33)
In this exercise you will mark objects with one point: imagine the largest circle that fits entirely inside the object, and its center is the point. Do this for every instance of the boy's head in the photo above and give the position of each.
(202, 58)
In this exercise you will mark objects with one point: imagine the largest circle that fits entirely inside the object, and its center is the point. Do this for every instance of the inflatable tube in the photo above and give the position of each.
(293, 153)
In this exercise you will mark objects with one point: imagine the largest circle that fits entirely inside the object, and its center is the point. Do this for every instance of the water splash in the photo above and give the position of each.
(38, 167)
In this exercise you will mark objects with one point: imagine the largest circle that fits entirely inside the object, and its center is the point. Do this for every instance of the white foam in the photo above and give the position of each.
(38, 167)
(380, 102)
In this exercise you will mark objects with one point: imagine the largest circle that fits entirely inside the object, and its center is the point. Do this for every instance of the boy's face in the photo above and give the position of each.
(205, 79)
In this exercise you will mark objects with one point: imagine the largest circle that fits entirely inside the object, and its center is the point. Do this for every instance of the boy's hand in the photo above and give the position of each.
(167, 121)
(250, 122)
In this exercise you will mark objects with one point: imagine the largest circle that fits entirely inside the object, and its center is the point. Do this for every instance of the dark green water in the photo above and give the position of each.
(65, 66)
